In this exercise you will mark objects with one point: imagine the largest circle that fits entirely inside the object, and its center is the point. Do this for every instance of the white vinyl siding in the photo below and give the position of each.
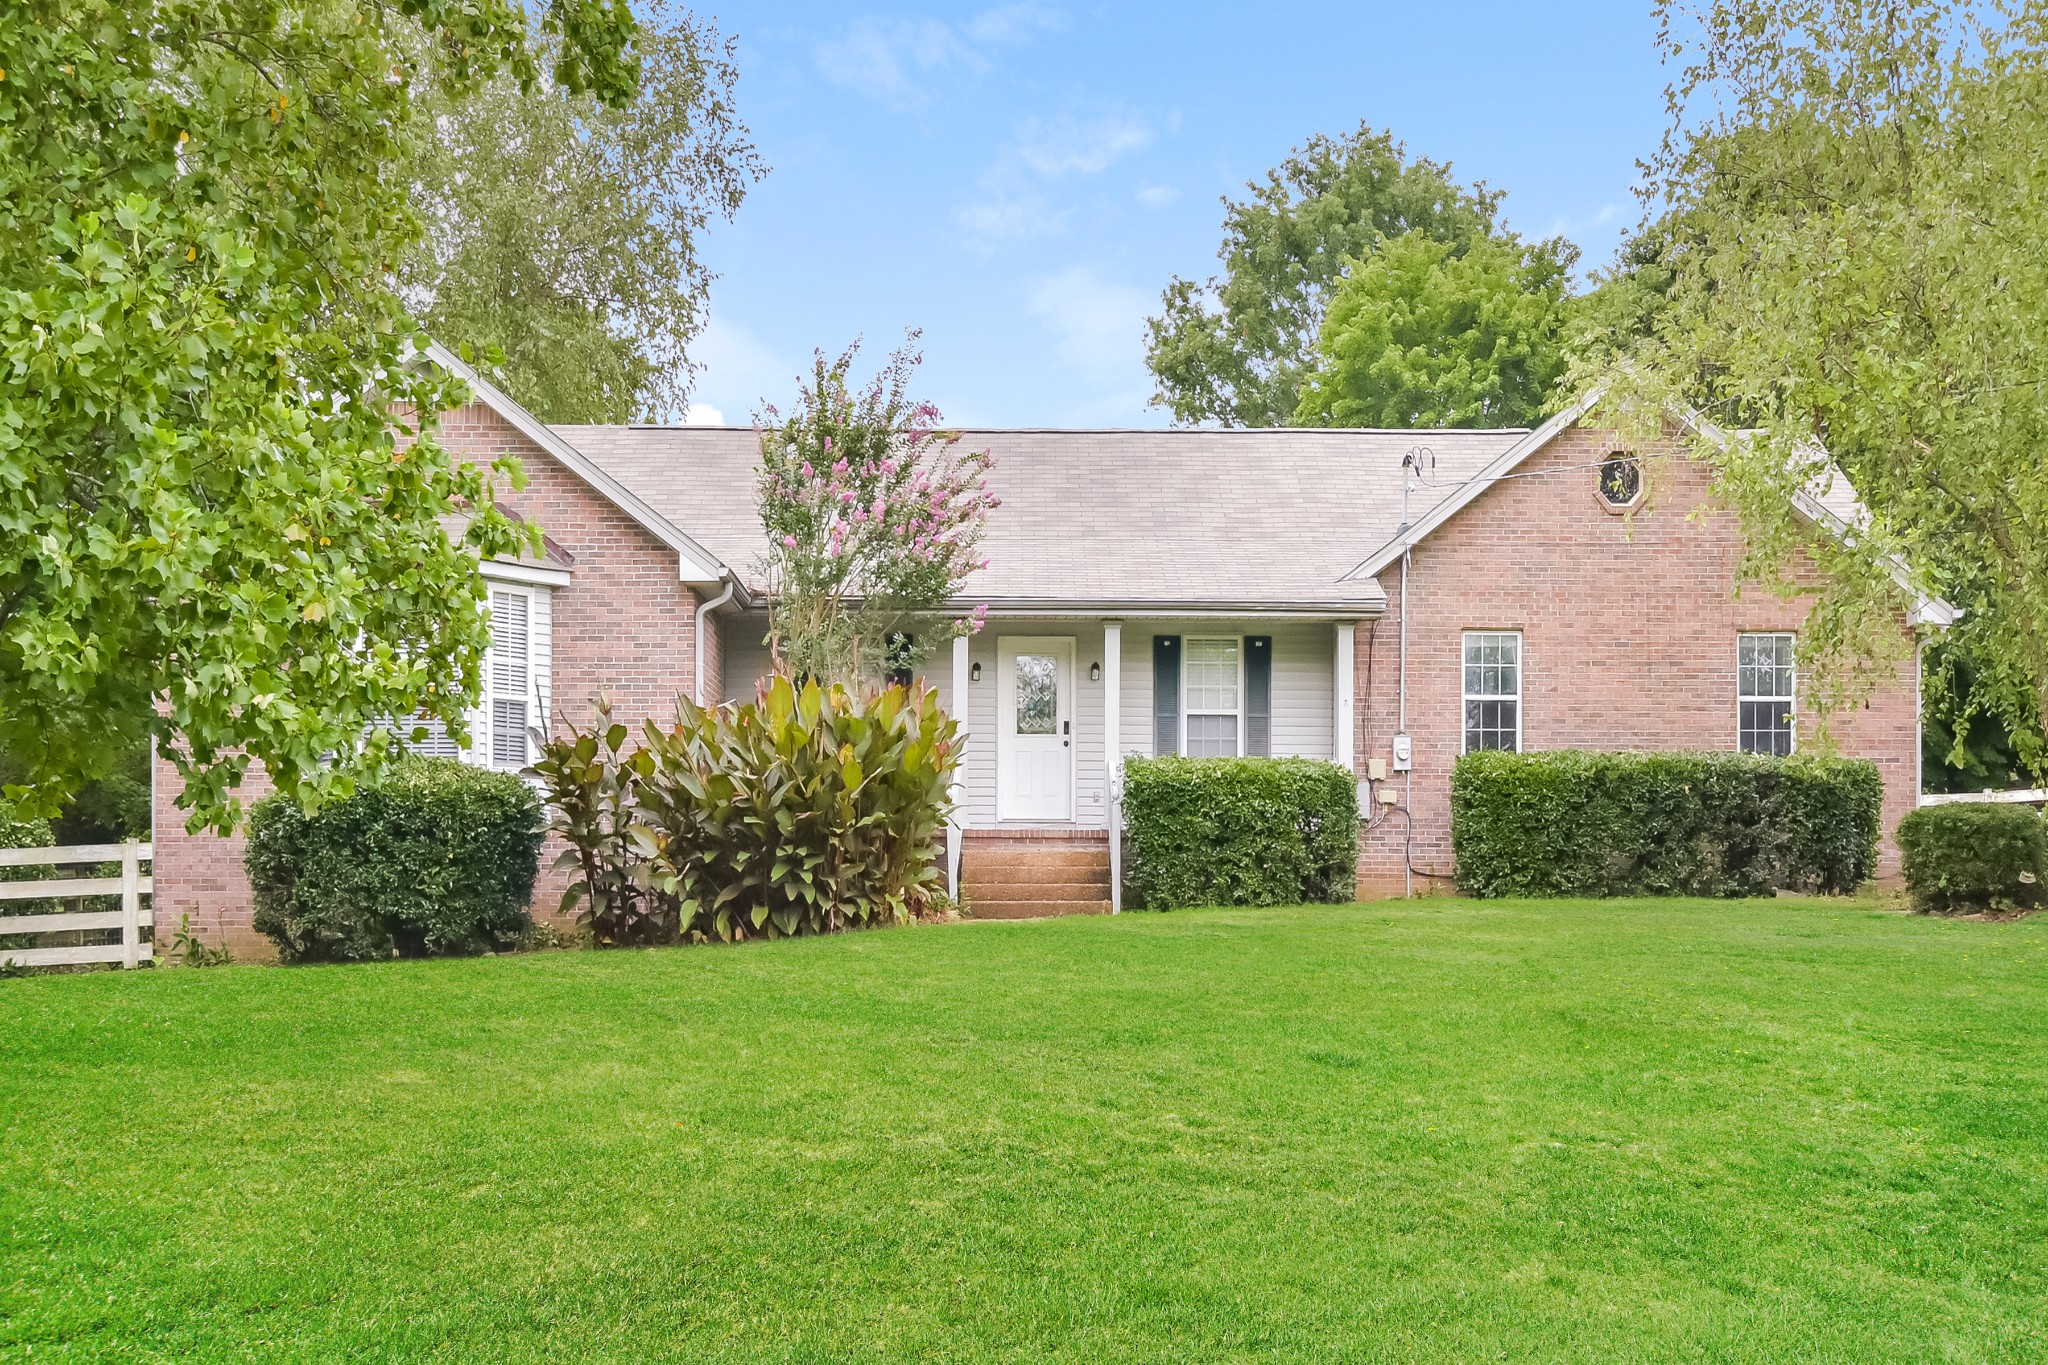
(1766, 693)
(1212, 692)
(1493, 690)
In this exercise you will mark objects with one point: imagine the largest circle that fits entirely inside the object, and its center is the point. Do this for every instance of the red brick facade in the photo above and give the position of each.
(1628, 626)
(625, 627)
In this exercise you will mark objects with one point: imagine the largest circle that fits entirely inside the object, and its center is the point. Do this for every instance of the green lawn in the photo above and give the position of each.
(1435, 1130)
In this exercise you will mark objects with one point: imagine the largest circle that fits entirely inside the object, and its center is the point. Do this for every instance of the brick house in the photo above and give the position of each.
(1189, 591)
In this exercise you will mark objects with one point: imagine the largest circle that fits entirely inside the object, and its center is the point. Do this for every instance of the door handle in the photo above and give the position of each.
(1066, 727)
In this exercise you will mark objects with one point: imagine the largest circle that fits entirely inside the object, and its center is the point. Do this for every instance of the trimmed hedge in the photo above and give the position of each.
(1572, 823)
(1969, 857)
(1239, 831)
(438, 857)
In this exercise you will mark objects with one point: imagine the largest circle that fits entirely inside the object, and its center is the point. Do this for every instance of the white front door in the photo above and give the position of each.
(1035, 727)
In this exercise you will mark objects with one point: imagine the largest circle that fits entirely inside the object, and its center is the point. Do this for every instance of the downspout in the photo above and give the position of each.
(1401, 724)
(704, 611)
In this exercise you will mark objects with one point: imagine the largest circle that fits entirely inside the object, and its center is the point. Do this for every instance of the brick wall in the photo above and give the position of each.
(624, 627)
(1628, 636)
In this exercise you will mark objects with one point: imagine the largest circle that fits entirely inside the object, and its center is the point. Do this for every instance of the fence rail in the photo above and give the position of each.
(131, 886)
(2028, 796)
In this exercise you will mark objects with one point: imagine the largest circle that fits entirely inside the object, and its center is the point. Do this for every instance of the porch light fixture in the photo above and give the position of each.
(974, 672)
(1095, 673)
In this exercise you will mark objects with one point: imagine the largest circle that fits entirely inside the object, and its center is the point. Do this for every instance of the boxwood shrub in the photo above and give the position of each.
(1572, 823)
(1974, 857)
(1238, 831)
(438, 857)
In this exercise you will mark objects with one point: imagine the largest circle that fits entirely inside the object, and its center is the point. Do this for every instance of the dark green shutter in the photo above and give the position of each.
(1258, 695)
(1165, 695)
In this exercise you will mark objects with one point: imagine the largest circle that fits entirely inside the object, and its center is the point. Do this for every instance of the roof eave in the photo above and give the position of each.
(695, 564)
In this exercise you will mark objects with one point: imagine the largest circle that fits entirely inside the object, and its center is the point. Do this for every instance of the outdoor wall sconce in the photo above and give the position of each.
(974, 672)
(1095, 673)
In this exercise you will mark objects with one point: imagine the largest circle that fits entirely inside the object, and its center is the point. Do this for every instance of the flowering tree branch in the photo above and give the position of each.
(874, 520)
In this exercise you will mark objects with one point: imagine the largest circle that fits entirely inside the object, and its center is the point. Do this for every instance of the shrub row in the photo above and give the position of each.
(1570, 823)
(806, 811)
(1969, 857)
(1239, 831)
(438, 857)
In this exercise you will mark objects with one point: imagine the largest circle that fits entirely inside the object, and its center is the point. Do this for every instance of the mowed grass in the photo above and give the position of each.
(1441, 1130)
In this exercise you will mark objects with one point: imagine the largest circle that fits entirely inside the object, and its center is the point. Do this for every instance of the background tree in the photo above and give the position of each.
(562, 230)
(874, 521)
(1235, 350)
(215, 532)
(1861, 234)
(1421, 335)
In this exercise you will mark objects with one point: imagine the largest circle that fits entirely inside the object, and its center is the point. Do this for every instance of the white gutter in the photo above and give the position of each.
(703, 614)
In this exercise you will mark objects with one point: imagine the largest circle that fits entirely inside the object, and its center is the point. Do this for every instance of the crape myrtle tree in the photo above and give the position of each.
(874, 518)
(1236, 349)
(222, 505)
(562, 229)
(1857, 244)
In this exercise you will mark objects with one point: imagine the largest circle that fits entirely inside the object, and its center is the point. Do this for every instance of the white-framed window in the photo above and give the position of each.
(515, 678)
(1766, 693)
(1493, 690)
(1212, 696)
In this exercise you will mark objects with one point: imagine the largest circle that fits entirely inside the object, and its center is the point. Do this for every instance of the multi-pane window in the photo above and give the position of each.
(508, 679)
(1766, 694)
(1493, 690)
(1211, 668)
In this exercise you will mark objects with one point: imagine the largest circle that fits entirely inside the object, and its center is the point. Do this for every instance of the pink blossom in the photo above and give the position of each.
(789, 541)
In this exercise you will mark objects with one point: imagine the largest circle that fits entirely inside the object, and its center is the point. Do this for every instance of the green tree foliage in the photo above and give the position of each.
(562, 230)
(1421, 335)
(1235, 350)
(213, 533)
(1963, 746)
(1861, 226)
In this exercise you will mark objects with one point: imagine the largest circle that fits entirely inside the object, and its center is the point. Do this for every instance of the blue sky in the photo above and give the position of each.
(1021, 180)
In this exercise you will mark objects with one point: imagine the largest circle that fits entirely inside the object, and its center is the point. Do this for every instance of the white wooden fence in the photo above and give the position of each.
(131, 886)
(2031, 796)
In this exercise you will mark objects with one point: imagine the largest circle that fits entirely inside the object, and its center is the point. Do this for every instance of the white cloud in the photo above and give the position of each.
(1098, 325)
(1012, 211)
(1080, 146)
(1156, 196)
(1014, 23)
(703, 415)
(899, 61)
(1012, 198)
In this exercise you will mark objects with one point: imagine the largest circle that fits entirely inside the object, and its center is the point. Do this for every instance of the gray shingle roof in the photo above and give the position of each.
(1109, 519)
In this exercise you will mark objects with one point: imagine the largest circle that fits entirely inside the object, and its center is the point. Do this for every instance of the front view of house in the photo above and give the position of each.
(1382, 599)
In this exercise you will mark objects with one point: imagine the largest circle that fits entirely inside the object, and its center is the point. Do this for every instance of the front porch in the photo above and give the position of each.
(1050, 702)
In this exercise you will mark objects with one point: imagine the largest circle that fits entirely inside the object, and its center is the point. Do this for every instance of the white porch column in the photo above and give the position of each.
(1113, 754)
(1343, 747)
(960, 714)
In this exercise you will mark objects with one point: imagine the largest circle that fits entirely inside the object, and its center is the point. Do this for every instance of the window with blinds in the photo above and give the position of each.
(508, 679)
